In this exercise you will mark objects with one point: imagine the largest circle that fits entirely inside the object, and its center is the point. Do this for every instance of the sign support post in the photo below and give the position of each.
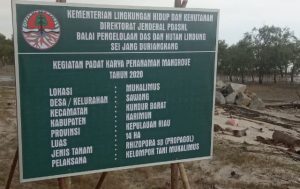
(101, 180)
(61, 181)
(12, 169)
(174, 176)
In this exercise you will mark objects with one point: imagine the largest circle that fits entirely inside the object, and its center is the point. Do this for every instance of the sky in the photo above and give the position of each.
(236, 16)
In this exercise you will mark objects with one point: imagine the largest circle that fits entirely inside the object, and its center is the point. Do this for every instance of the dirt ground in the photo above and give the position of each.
(272, 93)
(238, 162)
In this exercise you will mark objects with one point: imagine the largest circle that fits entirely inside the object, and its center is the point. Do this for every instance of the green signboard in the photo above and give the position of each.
(103, 88)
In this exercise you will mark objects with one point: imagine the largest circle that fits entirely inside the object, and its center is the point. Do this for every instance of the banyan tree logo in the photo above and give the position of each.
(41, 29)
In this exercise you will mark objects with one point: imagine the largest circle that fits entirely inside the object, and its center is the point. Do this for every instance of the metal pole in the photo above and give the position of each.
(101, 180)
(12, 170)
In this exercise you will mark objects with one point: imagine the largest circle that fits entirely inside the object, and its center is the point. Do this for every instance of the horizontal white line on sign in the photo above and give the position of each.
(152, 52)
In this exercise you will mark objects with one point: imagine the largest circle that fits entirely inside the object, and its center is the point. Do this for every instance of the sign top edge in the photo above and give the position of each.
(22, 2)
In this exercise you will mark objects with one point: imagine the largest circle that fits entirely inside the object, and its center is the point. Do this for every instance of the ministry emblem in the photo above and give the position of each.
(41, 29)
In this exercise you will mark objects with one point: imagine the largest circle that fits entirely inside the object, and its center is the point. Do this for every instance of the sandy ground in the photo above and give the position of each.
(276, 93)
(256, 165)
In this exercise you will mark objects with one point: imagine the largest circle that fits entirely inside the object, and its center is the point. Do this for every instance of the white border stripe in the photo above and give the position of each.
(15, 34)
(15, 2)
(214, 89)
(152, 52)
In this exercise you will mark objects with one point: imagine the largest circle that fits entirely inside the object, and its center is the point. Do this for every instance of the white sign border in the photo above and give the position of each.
(15, 34)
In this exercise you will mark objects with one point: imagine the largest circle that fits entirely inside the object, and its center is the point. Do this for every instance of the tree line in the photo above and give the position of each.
(6, 51)
(266, 51)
